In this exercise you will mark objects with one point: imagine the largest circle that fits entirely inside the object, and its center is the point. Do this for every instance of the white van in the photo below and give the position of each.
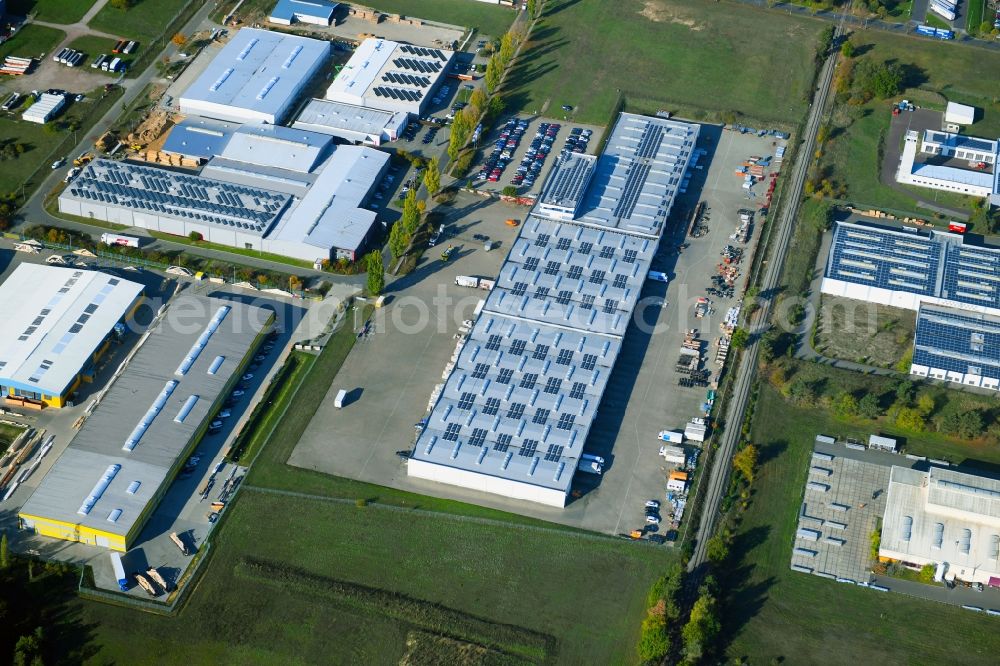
(113, 67)
(341, 398)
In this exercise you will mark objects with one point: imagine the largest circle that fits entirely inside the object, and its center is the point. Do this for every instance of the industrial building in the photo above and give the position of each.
(951, 162)
(907, 267)
(50, 341)
(515, 411)
(943, 516)
(313, 12)
(356, 124)
(198, 138)
(390, 76)
(257, 77)
(45, 109)
(271, 188)
(111, 477)
(957, 346)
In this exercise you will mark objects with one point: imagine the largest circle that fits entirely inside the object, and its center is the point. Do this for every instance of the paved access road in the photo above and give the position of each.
(759, 321)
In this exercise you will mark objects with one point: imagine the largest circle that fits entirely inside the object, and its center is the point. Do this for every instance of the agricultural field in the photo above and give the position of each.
(776, 615)
(355, 581)
(144, 22)
(934, 74)
(53, 11)
(698, 58)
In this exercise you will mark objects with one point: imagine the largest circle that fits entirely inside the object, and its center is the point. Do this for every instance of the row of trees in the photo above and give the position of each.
(480, 102)
(402, 232)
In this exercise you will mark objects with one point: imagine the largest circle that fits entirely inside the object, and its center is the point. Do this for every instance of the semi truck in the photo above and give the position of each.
(591, 464)
(118, 239)
(116, 564)
(474, 282)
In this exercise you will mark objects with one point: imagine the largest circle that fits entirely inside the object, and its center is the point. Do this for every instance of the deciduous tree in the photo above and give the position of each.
(745, 462)
(376, 273)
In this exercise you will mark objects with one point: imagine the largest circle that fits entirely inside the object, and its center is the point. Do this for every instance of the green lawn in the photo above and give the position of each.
(8, 433)
(94, 46)
(41, 140)
(32, 41)
(714, 57)
(269, 256)
(975, 13)
(935, 74)
(144, 22)
(775, 613)
(53, 11)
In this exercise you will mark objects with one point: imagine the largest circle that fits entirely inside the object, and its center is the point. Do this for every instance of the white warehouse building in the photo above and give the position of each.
(256, 77)
(951, 162)
(390, 76)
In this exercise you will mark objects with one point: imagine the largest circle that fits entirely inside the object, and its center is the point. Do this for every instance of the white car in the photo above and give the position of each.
(225, 414)
(58, 163)
(652, 519)
(468, 323)
(652, 504)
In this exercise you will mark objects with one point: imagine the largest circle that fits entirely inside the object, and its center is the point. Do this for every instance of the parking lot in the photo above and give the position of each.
(522, 150)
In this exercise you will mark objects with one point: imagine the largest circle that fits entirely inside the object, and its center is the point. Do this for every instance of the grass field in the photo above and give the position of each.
(935, 74)
(877, 335)
(53, 11)
(32, 41)
(556, 583)
(775, 613)
(719, 57)
(8, 434)
(143, 22)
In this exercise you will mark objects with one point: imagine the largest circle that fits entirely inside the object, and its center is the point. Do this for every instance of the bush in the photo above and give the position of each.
(195, 236)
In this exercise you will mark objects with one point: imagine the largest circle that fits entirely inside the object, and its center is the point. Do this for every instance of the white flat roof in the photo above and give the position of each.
(258, 70)
(960, 114)
(319, 114)
(943, 515)
(47, 339)
(329, 215)
(276, 146)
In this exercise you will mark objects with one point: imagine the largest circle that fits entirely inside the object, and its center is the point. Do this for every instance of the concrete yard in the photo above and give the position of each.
(390, 374)
(845, 515)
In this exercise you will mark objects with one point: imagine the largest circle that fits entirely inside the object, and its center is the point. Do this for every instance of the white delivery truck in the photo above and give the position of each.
(118, 239)
(116, 564)
(672, 436)
(341, 398)
(466, 281)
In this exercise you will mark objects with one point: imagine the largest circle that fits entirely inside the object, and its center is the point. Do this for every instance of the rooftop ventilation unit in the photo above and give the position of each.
(98, 490)
(147, 419)
(222, 79)
(202, 341)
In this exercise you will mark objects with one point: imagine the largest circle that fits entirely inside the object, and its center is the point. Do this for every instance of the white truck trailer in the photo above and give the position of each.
(118, 239)
(116, 564)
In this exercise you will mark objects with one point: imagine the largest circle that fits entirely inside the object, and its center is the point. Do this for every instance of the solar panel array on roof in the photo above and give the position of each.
(637, 177)
(953, 341)
(173, 194)
(524, 392)
(935, 265)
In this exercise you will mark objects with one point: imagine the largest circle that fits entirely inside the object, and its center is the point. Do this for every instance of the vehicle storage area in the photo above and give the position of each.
(652, 389)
